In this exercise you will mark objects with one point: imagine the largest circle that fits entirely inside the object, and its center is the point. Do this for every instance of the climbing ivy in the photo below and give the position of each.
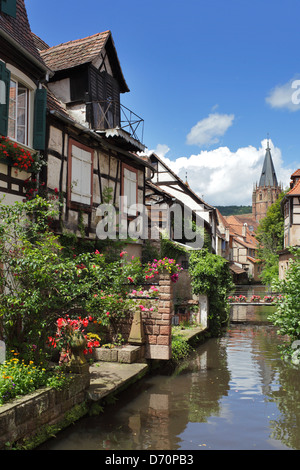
(210, 275)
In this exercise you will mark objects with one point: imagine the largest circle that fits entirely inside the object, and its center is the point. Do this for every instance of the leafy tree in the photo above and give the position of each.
(41, 283)
(270, 234)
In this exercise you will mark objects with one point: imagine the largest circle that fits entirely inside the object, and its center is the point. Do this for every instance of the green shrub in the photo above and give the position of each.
(181, 349)
(210, 275)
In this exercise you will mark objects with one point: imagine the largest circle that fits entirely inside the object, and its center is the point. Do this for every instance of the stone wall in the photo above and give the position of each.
(26, 417)
(158, 324)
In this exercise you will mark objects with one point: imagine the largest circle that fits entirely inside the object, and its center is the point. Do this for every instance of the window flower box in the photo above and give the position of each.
(268, 298)
(12, 154)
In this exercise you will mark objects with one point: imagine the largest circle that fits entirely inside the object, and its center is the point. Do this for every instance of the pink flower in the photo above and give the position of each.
(130, 279)
(123, 253)
(107, 313)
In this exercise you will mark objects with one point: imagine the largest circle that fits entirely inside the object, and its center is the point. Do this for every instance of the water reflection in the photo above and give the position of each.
(234, 393)
(241, 313)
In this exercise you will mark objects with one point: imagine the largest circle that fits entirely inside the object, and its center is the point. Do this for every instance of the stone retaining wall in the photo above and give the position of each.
(28, 415)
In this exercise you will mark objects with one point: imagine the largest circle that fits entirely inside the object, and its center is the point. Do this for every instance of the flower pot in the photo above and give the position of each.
(78, 363)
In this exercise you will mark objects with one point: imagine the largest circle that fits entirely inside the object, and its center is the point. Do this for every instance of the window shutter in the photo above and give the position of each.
(130, 184)
(4, 97)
(81, 175)
(9, 7)
(39, 129)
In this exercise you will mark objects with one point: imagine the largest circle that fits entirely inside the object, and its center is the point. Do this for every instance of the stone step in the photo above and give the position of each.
(125, 354)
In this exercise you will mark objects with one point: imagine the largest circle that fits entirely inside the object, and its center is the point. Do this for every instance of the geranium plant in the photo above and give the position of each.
(268, 298)
(66, 328)
(168, 265)
(19, 158)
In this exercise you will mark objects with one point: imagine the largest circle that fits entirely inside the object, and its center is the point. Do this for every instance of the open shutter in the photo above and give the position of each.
(4, 98)
(81, 179)
(39, 129)
(130, 185)
(9, 7)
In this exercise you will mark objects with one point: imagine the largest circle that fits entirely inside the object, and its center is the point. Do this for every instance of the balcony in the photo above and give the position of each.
(117, 122)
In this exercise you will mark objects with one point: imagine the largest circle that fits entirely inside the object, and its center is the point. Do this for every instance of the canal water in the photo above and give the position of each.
(234, 393)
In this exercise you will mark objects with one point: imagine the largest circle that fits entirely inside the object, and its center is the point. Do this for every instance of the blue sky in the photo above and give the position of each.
(211, 79)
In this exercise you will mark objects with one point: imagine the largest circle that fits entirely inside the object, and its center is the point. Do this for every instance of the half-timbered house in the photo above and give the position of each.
(92, 141)
(22, 101)
(290, 205)
(168, 191)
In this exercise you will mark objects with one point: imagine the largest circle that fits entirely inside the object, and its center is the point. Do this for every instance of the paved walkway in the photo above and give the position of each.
(109, 377)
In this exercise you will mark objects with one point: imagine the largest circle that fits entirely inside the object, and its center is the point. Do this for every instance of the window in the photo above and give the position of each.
(22, 108)
(18, 112)
(130, 187)
(81, 173)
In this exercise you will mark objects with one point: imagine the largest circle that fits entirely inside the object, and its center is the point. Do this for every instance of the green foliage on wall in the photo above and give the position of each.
(269, 234)
(287, 315)
(210, 275)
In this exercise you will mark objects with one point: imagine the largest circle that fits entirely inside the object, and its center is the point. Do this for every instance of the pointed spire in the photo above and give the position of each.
(268, 175)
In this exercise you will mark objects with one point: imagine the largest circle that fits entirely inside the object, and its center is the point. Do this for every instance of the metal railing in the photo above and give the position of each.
(110, 114)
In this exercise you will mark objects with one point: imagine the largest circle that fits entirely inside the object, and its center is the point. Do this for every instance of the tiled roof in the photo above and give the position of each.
(236, 231)
(296, 173)
(53, 104)
(74, 53)
(222, 219)
(295, 191)
(19, 30)
(40, 44)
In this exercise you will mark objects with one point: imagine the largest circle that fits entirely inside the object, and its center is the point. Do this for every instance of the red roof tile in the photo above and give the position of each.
(295, 191)
(296, 173)
(74, 53)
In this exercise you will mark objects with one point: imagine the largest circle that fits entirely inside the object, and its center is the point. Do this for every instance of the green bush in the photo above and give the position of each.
(18, 378)
(42, 282)
(181, 349)
(210, 275)
(287, 315)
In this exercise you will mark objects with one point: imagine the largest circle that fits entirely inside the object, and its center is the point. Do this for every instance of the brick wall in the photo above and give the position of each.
(157, 325)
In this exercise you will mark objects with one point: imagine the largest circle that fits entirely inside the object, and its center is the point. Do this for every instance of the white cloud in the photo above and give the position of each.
(161, 150)
(208, 130)
(286, 96)
(223, 177)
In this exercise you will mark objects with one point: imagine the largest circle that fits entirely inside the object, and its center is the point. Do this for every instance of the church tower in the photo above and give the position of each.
(268, 190)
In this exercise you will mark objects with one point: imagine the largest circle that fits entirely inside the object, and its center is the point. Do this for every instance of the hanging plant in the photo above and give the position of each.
(13, 154)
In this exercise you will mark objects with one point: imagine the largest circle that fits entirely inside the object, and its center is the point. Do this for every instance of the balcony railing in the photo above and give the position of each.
(111, 114)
